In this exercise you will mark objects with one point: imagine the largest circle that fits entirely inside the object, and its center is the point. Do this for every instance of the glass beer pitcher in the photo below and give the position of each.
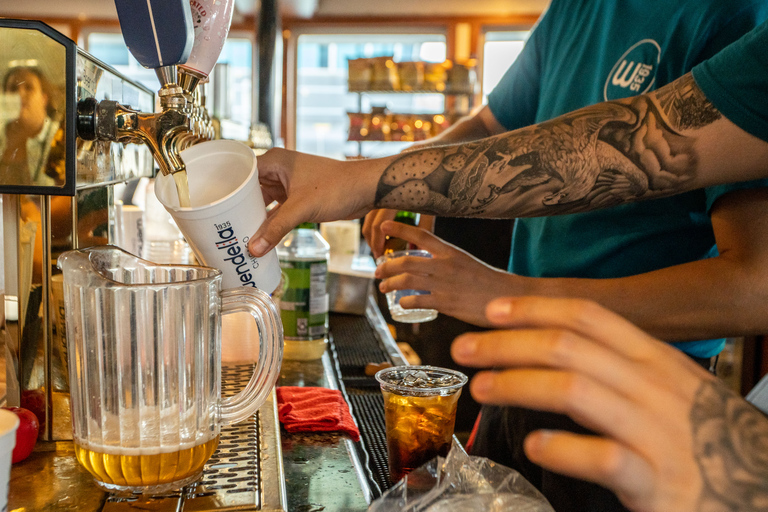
(144, 349)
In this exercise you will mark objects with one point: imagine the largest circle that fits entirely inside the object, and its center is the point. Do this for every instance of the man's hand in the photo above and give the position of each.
(310, 189)
(460, 285)
(672, 437)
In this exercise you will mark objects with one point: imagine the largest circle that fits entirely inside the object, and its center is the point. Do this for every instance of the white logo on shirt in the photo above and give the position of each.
(635, 71)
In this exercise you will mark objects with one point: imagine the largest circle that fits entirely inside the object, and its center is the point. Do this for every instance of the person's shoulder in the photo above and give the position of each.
(720, 11)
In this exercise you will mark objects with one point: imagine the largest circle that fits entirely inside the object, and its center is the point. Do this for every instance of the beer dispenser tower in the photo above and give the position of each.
(106, 134)
(109, 134)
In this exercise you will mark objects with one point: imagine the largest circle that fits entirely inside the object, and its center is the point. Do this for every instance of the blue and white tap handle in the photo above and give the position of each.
(159, 33)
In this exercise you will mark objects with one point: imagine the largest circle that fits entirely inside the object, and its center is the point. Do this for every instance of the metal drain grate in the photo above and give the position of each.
(357, 345)
(369, 407)
(354, 344)
(234, 466)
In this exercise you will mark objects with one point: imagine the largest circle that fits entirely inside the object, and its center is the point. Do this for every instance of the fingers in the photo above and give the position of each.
(587, 401)
(278, 224)
(407, 281)
(372, 229)
(545, 348)
(407, 264)
(368, 230)
(421, 302)
(579, 316)
(595, 459)
(421, 238)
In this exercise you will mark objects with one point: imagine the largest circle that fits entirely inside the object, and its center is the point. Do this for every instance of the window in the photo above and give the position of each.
(323, 99)
(499, 52)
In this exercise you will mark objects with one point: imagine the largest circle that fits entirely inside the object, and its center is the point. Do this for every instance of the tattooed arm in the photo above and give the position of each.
(670, 435)
(477, 126)
(654, 145)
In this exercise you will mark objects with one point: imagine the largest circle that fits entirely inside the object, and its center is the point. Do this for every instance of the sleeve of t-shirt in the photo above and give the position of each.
(514, 101)
(735, 81)
(728, 29)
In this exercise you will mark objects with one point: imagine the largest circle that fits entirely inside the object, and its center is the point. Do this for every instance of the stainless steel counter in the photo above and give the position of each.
(325, 471)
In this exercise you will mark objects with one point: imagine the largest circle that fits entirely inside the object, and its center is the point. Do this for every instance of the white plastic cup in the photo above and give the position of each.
(132, 225)
(9, 422)
(226, 210)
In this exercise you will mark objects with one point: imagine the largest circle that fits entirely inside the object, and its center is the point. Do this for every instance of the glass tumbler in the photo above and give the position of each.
(399, 313)
(144, 350)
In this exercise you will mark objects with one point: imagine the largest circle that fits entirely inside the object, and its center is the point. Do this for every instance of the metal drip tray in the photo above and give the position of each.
(244, 473)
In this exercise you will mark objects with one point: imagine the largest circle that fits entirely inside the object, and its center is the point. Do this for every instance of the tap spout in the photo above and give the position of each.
(162, 132)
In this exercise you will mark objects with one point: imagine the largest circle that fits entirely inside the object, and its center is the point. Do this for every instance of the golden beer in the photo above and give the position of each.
(122, 467)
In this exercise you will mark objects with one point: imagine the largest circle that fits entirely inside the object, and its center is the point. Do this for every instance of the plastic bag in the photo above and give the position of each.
(460, 483)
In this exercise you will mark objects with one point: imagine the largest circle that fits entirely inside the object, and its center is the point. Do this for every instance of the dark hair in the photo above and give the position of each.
(48, 89)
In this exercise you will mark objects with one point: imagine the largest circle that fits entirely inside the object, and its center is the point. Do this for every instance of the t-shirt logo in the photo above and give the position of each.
(634, 72)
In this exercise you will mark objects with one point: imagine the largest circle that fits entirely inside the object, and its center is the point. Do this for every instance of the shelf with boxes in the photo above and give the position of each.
(382, 75)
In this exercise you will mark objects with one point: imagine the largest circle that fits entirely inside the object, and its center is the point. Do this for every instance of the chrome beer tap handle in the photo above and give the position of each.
(160, 35)
(162, 132)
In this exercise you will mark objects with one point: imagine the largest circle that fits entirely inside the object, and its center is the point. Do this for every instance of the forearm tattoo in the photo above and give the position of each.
(730, 443)
(599, 156)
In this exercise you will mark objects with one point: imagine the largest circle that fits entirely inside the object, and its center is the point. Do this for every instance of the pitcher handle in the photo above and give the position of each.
(254, 301)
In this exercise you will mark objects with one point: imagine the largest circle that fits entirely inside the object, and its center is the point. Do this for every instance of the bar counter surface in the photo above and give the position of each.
(319, 471)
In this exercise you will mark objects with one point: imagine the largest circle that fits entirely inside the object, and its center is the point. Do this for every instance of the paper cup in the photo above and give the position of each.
(227, 209)
(9, 422)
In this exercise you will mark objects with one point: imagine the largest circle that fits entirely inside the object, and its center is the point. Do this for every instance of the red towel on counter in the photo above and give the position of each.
(314, 409)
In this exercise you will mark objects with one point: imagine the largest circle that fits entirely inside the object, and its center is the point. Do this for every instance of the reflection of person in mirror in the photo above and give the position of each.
(28, 142)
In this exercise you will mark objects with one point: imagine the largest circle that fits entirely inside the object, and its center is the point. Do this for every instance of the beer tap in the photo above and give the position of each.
(159, 34)
(181, 40)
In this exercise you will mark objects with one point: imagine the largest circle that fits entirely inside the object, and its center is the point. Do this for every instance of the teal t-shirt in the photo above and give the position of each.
(736, 82)
(583, 52)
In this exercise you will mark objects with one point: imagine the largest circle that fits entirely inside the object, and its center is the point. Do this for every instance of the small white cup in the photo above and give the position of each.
(132, 225)
(399, 313)
(9, 422)
(226, 209)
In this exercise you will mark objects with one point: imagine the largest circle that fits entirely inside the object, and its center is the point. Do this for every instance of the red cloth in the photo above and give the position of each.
(473, 434)
(314, 409)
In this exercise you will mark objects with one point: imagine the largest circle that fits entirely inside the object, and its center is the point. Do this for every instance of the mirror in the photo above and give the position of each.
(33, 107)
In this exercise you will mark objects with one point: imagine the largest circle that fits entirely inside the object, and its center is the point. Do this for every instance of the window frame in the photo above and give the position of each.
(235, 32)
(483, 38)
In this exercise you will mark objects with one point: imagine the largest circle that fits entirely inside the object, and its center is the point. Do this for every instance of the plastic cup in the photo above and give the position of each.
(398, 313)
(9, 422)
(420, 413)
(226, 209)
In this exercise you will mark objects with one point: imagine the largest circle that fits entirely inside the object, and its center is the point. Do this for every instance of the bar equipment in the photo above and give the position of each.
(88, 155)
(69, 201)
(166, 132)
(63, 197)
